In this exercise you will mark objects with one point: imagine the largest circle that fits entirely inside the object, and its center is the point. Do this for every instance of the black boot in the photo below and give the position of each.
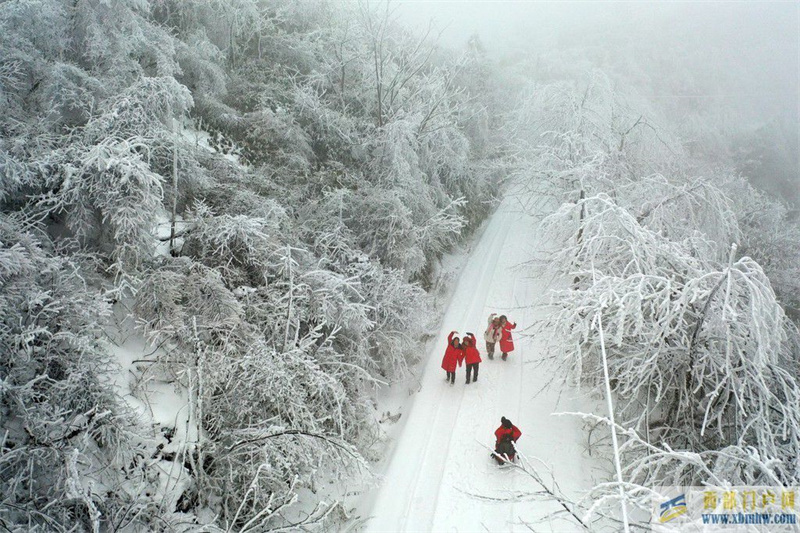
(505, 356)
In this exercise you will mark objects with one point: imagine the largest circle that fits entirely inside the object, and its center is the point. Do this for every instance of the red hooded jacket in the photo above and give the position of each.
(471, 353)
(506, 341)
(513, 431)
(453, 355)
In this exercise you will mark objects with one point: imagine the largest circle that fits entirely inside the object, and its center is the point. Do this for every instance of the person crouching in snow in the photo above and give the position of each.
(453, 356)
(506, 340)
(506, 435)
(472, 356)
(492, 334)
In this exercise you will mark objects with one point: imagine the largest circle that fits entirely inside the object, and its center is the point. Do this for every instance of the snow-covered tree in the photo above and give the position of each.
(700, 353)
(68, 456)
(301, 231)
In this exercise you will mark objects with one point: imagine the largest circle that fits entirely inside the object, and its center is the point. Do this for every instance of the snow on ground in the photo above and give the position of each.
(440, 476)
(158, 401)
(162, 406)
(202, 139)
(164, 228)
(394, 400)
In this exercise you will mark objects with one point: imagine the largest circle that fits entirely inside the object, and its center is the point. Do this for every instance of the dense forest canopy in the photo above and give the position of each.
(260, 191)
(263, 188)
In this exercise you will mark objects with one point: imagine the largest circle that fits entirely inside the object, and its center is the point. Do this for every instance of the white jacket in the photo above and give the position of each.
(492, 334)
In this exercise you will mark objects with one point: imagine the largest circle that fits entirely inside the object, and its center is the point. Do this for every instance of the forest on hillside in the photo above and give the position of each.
(677, 243)
(264, 189)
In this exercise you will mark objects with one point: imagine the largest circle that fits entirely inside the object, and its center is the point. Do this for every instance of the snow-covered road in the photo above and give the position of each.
(440, 477)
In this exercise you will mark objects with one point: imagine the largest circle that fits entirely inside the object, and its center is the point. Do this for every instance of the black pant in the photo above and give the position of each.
(472, 368)
(451, 377)
(504, 448)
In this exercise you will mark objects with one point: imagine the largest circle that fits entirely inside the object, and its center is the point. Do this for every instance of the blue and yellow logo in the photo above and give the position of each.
(673, 508)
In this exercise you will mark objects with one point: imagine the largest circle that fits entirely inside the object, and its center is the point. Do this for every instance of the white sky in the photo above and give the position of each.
(759, 41)
(503, 24)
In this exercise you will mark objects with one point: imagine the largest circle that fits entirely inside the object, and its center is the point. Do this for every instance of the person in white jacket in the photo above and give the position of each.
(492, 334)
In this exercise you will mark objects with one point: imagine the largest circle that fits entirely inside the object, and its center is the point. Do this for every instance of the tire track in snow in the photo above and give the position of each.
(489, 269)
(524, 321)
(443, 416)
(501, 391)
(459, 479)
(437, 461)
(450, 408)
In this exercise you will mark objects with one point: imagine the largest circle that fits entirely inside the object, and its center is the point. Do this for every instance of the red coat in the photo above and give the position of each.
(453, 355)
(506, 341)
(471, 353)
(513, 431)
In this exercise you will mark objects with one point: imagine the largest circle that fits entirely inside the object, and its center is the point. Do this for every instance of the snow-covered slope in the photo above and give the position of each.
(440, 477)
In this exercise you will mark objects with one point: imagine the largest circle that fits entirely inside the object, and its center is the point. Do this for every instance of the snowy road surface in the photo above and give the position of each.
(440, 477)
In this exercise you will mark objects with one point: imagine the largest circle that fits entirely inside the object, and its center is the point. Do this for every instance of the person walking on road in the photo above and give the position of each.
(506, 339)
(453, 355)
(492, 334)
(472, 356)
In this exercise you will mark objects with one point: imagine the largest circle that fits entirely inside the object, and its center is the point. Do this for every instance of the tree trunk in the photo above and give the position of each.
(378, 86)
(174, 188)
(579, 239)
(291, 294)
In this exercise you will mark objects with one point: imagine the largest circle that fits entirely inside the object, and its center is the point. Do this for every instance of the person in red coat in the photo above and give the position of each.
(453, 356)
(506, 340)
(506, 435)
(472, 356)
